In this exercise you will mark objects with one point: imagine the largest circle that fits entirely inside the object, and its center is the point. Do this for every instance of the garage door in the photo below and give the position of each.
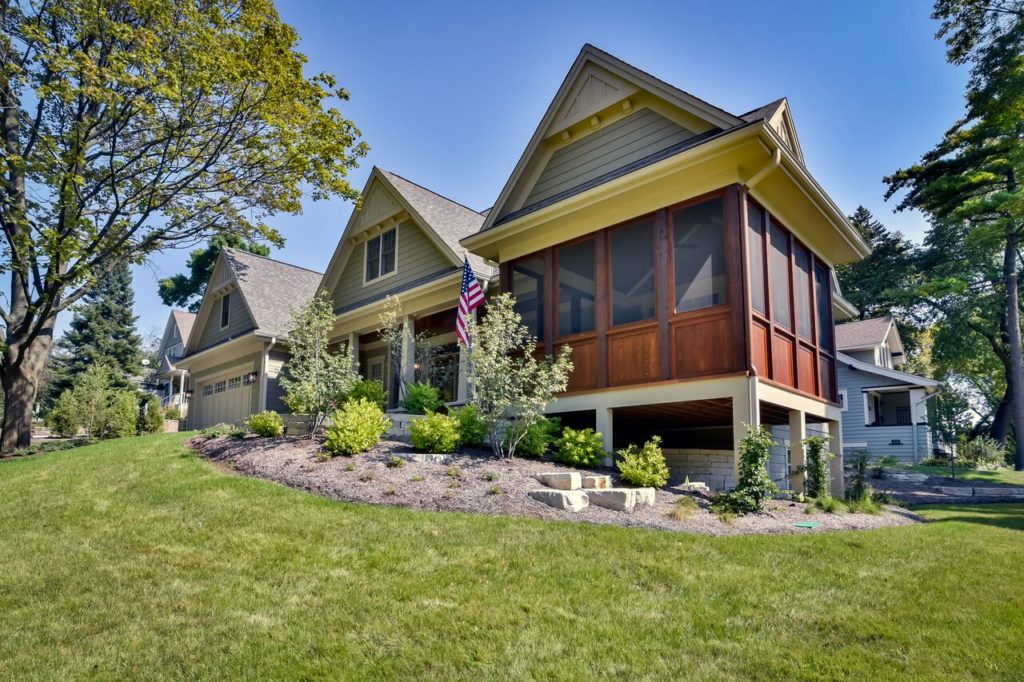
(223, 399)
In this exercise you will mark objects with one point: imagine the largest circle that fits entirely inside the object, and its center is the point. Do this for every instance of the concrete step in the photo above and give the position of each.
(560, 480)
(596, 481)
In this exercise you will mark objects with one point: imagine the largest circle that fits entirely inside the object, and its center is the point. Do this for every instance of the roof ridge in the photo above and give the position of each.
(427, 189)
(272, 260)
(763, 106)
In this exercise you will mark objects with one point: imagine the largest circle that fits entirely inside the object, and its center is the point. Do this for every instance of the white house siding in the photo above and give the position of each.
(878, 440)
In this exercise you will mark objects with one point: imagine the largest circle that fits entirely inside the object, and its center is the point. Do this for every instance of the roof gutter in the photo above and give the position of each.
(768, 168)
(263, 372)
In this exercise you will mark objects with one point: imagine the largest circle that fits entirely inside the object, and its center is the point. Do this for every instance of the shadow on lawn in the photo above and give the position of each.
(1001, 515)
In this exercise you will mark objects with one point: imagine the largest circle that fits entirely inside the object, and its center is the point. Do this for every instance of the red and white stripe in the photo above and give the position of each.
(471, 297)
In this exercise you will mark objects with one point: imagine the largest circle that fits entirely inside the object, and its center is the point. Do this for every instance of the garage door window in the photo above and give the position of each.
(220, 386)
(208, 389)
(234, 382)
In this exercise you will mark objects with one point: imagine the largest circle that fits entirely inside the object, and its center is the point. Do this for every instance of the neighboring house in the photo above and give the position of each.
(685, 254)
(885, 411)
(173, 381)
(403, 241)
(238, 341)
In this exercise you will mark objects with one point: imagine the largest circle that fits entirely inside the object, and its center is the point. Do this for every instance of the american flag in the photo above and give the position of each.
(470, 298)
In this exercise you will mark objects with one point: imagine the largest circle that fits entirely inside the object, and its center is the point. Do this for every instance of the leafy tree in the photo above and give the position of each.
(135, 126)
(971, 179)
(508, 380)
(392, 333)
(102, 332)
(185, 290)
(874, 284)
(314, 379)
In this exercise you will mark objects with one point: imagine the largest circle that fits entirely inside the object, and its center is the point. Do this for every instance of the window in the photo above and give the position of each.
(699, 247)
(823, 298)
(234, 382)
(528, 288)
(755, 236)
(220, 387)
(377, 372)
(576, 288)
(802, 284)
(778, 267)
(632, 255)
(207, 389)
(842, 398)
(380, 254)
(225, 310)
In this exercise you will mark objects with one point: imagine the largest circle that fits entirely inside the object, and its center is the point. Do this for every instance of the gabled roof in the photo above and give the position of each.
(449, 219)
(892, 374)
(577, 99)
(271, 289)
(443, 220)
(863, 333)
(184, 320)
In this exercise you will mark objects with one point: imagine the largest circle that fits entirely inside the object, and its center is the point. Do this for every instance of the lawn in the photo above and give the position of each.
(136, 559)
(1007, 476)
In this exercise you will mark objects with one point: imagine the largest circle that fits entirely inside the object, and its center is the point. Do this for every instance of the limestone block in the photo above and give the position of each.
(560, 481)
(569, 500)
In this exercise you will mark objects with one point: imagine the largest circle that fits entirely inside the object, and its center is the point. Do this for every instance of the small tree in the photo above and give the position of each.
(392, 333)
(818, 458)
(755, 486)
(92, 397)
(314, 379)
(508, 380)
(151, 417)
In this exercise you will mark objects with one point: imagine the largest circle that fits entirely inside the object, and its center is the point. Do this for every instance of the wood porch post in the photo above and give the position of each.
(836, 468)
(797, 454)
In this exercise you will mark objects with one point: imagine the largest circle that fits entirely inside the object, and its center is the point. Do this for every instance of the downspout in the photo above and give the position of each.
(263, 373)
(768, 168)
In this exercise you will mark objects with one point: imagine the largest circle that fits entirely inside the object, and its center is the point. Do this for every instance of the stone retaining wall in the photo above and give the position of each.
(716, 468)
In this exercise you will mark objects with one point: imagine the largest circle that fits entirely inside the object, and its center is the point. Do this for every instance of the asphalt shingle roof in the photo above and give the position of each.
(449, 219)
(765, 112)
(862, 333)
(184, 319)
(272, 289)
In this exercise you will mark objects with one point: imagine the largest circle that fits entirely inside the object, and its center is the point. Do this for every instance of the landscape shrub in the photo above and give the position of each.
(121, 418)
(267, 424)
(538, 437)
(982, 453)
(472, 429)
(818, 457)
(859, 488)
(395, 462)
(829, 505)
(172, 412)
(151, 417)
(684, 508)
(356, 427)
(216, 431)
(369, 389)
(64, 418)
(755, 486)
(435, 433)
(421, 398)
(580, 448)
(881, 464)
(644, 466)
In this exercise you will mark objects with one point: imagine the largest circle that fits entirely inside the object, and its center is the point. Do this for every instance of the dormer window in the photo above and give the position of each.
(225, 310)
(381, 252)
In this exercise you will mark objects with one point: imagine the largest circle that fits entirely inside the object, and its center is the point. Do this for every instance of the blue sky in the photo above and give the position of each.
(447, 94)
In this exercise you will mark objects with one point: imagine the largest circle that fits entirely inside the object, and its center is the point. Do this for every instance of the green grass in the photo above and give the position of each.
(1007, 476)
(135, 559)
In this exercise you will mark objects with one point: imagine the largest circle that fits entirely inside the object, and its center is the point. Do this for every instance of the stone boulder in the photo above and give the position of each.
(597, 482)
(569, 500)
(560, 480)
(617, 499)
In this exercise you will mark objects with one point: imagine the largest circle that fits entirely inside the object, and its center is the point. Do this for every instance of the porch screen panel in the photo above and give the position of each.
(823, 296)
(802, 284)
(699, 252)
(577, 288)
(778, 267)
(528, 289)
(632, 280)
(755, 239)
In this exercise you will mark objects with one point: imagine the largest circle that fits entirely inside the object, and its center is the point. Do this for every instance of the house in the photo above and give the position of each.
(885, 411)
(239, 339)
(403, 242)
(685, 254)
(173, 381)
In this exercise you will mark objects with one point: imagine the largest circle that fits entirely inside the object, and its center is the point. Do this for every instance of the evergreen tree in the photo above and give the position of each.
(185, 290)
(972, 179)
(102, 332)
(875, 284)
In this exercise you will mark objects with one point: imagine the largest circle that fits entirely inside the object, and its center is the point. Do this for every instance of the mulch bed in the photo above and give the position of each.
(475, 481)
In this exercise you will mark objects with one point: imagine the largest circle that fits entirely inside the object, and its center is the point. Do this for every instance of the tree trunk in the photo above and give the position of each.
(1016, 354)
(21, 368)
(1000, 427)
